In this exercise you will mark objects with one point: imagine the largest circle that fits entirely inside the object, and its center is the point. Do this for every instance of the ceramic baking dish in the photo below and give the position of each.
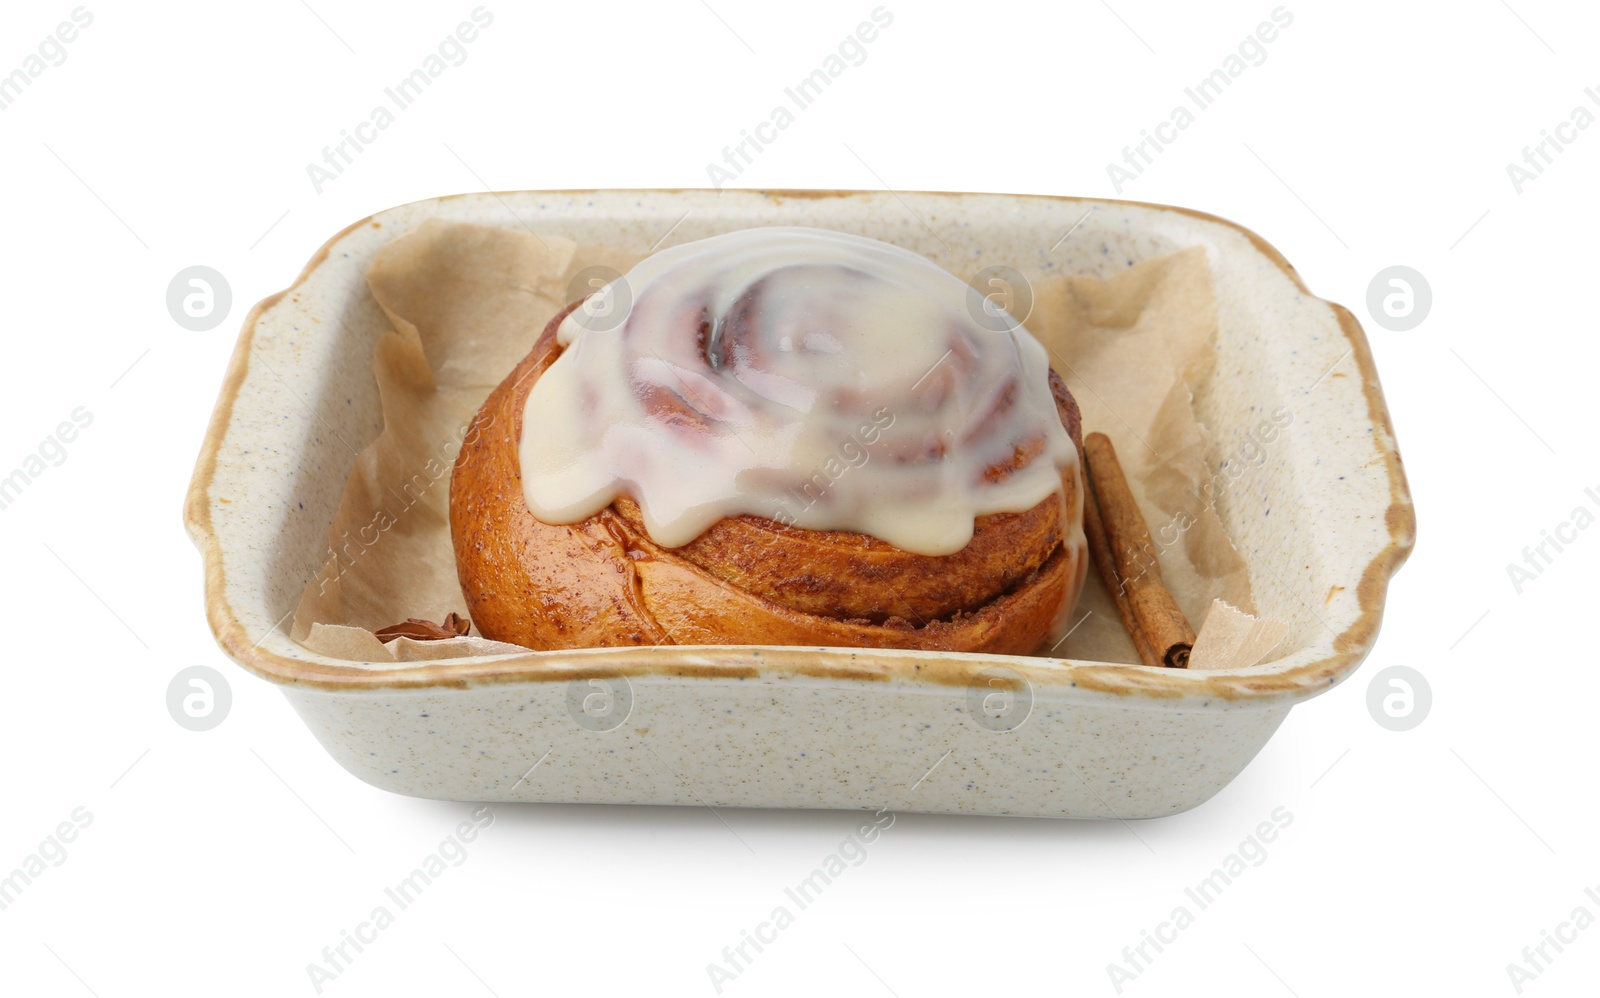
(1323, 526)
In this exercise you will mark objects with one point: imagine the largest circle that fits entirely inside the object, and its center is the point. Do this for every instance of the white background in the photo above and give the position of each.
(1374, 134)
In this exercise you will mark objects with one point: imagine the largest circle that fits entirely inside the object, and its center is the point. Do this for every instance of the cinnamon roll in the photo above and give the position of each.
(784, 436)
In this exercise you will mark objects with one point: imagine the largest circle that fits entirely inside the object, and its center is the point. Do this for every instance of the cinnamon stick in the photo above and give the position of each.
(1126, 552)
(1094, 530)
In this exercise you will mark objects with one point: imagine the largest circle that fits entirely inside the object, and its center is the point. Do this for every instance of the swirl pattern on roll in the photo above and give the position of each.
(815, 378)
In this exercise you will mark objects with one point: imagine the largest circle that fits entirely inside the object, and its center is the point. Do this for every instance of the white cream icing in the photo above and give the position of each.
(816, 378)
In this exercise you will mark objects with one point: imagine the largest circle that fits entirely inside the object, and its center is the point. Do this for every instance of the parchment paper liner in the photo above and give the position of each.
(467, 301)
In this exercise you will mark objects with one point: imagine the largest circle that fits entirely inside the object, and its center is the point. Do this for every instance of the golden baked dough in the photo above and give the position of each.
(747, 580)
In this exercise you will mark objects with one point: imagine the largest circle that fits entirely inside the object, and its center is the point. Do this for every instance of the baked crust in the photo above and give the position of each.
(747, 580)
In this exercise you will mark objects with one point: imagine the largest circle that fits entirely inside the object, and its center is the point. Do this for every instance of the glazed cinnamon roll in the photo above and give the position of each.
(781, 436)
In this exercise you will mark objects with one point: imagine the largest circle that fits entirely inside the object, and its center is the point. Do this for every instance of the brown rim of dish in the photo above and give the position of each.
(1155, 684)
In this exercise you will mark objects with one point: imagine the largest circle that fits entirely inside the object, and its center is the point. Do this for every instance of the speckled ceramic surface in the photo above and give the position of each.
(1323, 526)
